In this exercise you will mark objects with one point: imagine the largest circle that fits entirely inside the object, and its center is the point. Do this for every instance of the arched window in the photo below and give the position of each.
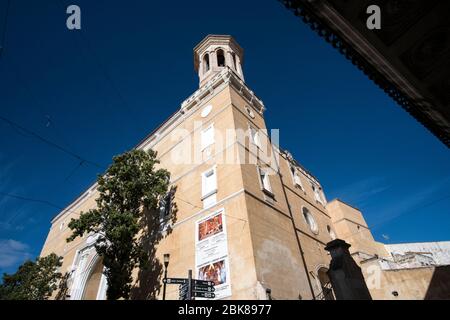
(325, 283)
(206, 63)
(233, 55)
(310, 220)
(220, 58)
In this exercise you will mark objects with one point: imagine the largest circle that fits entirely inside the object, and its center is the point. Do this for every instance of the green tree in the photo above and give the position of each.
(131, 186)
(34, 280)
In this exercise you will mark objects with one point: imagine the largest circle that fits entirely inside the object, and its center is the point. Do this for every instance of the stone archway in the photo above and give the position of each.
(88, 281)
(93, 286)
(325, 284)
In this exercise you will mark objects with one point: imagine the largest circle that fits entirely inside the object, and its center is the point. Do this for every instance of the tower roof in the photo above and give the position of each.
(217, 40)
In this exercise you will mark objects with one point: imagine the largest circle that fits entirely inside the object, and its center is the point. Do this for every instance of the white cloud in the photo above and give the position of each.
(13, 252)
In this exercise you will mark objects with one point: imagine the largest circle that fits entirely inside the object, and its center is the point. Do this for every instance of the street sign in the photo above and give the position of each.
(203, 283)
(183, 290)
(190, 288)
(203, 288)
(175, 280)
(184, 286)
(204, 295)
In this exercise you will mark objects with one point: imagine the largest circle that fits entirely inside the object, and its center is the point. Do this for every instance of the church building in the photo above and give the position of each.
(250, 217)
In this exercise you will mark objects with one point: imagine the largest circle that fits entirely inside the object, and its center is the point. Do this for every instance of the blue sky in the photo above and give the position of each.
(99, 92)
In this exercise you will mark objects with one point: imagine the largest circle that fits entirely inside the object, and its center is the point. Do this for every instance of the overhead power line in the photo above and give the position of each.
(18, 197)
(100, 66)
(35, 200)
(50, 143)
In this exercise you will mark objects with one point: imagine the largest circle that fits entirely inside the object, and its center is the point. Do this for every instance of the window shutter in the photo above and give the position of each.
(254, 136)
(207, 137)
(209, 182)
(265, 181)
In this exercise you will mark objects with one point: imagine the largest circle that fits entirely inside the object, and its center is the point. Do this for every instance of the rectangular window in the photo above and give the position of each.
(254, 135)
(317, 194)
(322, 196)
(207, 137)
(165, 207)
(297, 181)
(296, 178)
(209, 187)
(265, 181)
(209, 201)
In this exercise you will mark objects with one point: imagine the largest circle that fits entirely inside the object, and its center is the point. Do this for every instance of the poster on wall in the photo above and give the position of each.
(211, 252)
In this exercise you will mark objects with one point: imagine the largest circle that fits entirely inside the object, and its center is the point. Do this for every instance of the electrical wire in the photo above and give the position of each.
(100, 65)
(50, 143)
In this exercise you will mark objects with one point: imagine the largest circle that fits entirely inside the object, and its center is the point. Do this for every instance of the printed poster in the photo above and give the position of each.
(211, 253)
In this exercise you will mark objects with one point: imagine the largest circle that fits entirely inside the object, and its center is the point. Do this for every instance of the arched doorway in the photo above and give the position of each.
(94, 283)
(87, 279)
(325, 284)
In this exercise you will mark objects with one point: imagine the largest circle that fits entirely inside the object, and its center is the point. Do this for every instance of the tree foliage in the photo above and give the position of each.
(131, 185)
(34, 280)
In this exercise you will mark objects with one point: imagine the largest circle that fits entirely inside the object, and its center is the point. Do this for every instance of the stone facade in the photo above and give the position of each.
(221, 157)
(395, 271)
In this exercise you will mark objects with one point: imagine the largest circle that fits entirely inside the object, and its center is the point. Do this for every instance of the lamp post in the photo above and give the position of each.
(166, 264)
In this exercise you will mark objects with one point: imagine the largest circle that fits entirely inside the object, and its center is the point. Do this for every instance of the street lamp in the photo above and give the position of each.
(166, 264)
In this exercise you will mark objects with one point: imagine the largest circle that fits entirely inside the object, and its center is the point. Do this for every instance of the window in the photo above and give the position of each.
(233, 55)
(250, 112)
(209, 201)
(265, 181)
(296, 177)
(206, 63)
(209, 187)
(220, 58)
(317, 194)
(254, 135)
(207, 137)
(209, 184)
(165, 206)
(331, 232)
(310, 220)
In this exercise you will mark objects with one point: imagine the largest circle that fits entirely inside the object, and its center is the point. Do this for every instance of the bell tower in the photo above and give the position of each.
(216, 52)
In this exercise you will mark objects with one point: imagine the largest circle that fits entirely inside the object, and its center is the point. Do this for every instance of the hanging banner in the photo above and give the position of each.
(211, 252)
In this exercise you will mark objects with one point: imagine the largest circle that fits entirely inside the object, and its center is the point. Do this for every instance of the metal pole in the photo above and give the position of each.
(165, 284)
(189, 292)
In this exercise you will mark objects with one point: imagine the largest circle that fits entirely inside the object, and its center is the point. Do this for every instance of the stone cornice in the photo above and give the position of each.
(227, 75)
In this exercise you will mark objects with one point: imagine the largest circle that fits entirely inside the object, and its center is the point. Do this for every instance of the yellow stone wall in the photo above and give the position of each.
(262, 238)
